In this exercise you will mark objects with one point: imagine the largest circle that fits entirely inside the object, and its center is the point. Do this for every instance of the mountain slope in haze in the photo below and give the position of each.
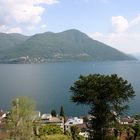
(8, 41)
(64, 46)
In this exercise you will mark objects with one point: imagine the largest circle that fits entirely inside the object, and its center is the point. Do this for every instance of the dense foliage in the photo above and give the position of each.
(20, 119)
(55, 137)
(62, 112)
(104, 94)
(49, 130)
(75, 133)
(53, 113)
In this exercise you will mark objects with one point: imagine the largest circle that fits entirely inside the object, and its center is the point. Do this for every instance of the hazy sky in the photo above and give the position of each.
(114, 22)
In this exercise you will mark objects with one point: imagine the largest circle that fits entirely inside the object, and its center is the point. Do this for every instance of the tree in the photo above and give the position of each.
(53, 113)
(75, 133)
(103, 93)
(137, 116)
(136, 129)
(19, 120)
(55, 137)
(62, 112)
(49, 130)
(130, 132)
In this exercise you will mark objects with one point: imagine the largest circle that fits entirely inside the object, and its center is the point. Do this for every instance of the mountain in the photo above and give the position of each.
(69, 45)
(9, 41)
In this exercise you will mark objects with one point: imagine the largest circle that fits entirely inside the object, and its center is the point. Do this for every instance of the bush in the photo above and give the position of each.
(111, 138)
(55, 137)
(49, 130)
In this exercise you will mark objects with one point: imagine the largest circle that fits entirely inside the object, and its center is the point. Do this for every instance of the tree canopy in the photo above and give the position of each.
(20, 118)
(49, 130)
(62, 112)
(104, 94)
(75, 133)
(53, 113)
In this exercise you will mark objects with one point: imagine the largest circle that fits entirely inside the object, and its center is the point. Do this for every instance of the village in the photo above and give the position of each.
(83, 123)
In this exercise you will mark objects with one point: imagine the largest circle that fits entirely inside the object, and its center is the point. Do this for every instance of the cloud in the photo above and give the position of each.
(120, 24)
(135, 21)
(96, 35)
(46, 1)
(15, 30)
(22, 12)
(125, 35)
(30, 28)
(43, 26)
(6, 29)
(27, 14)
(125, 42)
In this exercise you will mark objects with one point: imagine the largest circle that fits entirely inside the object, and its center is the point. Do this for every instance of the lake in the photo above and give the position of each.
(48, 84)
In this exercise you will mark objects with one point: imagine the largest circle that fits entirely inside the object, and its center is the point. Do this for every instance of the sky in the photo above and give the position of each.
(113, 22)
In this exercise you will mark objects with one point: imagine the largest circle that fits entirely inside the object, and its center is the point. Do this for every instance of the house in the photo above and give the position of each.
(2, 114)
(81, 124)
(46, 116)
(2, 119)
(127, 120)
(49, 119)
(72, 121)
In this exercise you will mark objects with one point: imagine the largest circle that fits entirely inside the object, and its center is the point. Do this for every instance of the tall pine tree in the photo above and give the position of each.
(62, 111)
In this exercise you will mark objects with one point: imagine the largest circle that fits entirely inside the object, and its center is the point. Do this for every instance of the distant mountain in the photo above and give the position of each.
(9, 41)
(70, 45)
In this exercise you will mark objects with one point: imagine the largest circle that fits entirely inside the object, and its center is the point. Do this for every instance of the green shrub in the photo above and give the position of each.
(49, 130)
(55, 137)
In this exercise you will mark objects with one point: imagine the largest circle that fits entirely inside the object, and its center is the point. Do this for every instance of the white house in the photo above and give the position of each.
(127, 120)
(2, 115)
(46, 116)
(73, 121)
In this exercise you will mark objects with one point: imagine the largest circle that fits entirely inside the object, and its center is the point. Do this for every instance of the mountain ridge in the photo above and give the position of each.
(69, 45)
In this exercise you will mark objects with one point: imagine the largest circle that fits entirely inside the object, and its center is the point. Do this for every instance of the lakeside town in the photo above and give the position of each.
(82, 123)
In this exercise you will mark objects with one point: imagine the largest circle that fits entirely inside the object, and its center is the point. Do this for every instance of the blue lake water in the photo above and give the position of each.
(48, 84)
